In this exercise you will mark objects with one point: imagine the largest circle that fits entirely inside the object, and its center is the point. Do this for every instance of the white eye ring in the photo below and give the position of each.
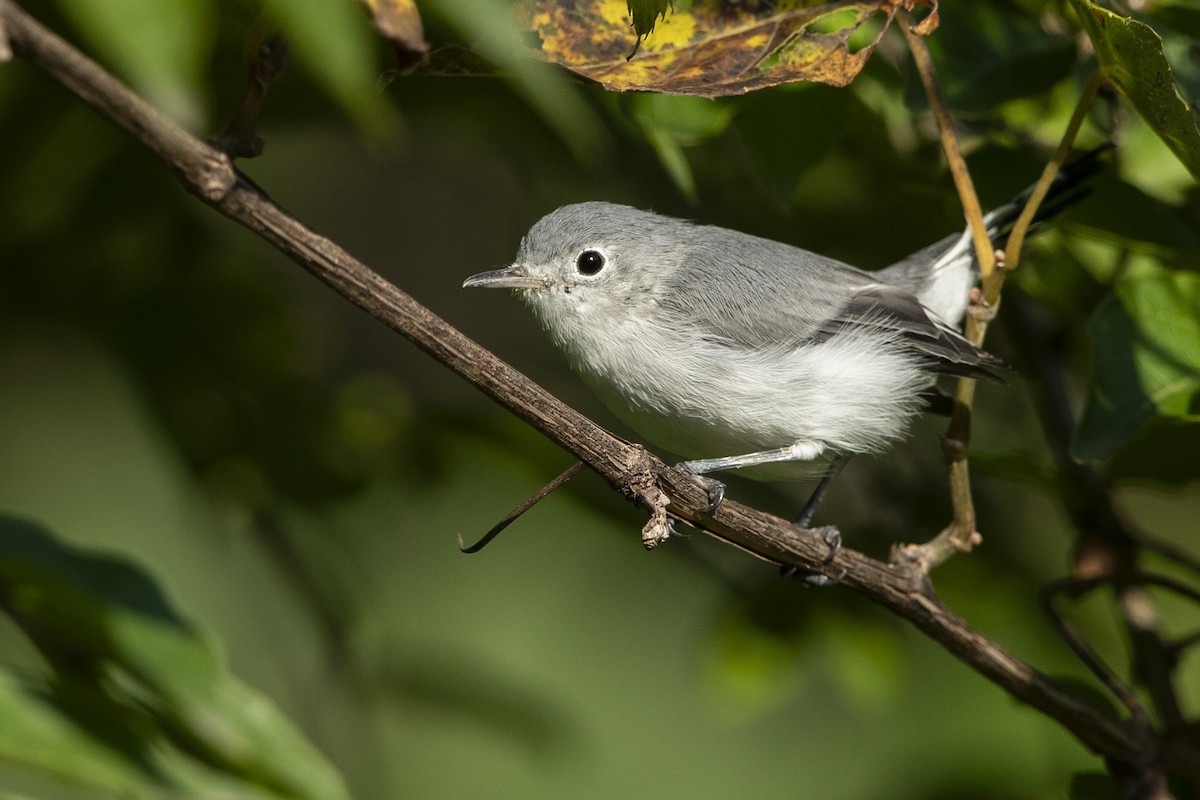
(590, 262)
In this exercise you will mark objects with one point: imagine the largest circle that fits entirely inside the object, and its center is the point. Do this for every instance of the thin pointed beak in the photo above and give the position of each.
(514, 277)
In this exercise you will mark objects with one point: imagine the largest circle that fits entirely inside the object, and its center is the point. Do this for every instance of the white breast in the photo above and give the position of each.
(702, 399)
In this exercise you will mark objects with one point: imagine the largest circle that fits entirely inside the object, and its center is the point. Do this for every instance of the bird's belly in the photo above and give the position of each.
(710, 402)
(692, 437)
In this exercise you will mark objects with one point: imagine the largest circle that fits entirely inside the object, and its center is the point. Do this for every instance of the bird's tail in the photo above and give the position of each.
(1067, 189)
(941, 275)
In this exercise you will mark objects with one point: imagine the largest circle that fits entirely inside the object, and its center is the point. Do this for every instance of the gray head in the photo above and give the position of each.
(596, 261)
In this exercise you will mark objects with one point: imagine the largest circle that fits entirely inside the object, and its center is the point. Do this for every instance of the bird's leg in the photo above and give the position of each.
(814, 500)
(830, 534)
(800, 451)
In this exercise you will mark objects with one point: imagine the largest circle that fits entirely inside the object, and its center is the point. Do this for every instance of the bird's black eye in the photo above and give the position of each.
(590, 262)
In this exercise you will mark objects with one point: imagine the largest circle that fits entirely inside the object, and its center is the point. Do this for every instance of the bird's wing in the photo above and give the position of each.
(787, 297)
(892, 310)
(751, 293)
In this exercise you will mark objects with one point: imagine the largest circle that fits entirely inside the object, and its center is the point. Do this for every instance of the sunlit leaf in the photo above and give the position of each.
(1131, 59)
(1145, 360)
(715, 48)
(1179, 26)
(133, 673)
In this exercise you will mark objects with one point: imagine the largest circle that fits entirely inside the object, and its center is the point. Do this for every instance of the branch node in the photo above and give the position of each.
(911, 562)
(639, 481)
(952, 540)
(658, 528)
(977, 305)
(211, 177)
(953, 449)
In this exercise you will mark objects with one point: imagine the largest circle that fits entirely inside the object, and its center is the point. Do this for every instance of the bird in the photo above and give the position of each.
(737, 352)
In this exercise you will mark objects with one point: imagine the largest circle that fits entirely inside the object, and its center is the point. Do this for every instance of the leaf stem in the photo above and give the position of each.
(960, 534)
(1016, 239)
(954, 157)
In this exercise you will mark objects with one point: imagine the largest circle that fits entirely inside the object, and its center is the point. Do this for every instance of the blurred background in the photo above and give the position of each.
(292, 475)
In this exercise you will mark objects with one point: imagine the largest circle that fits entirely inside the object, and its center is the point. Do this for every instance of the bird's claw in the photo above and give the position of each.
(715, 490)
(832, 537)
(817, 580)
(713, 487)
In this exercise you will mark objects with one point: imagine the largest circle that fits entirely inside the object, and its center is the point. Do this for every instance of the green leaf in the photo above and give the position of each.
(162, 48)
(987, 56)
(492, 30)
(128, 671)
(1132, 60)
(672, 124)
(1179, 27)
(865, 658)
(753, 669)
(335, 43)
(645, 13)
(1145, 360)
(37, 735)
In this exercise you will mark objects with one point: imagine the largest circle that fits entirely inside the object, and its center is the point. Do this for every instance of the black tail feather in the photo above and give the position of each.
(1066, 190)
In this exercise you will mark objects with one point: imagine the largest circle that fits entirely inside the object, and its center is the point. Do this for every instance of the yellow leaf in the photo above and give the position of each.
(715, 48)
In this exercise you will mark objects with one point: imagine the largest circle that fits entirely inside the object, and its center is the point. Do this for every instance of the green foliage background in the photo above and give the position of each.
(288, 477)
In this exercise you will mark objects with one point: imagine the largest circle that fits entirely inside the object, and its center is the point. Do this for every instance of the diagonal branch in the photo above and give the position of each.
(637, 474)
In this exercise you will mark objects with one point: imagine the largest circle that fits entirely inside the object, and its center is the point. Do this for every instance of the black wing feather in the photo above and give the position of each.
(888, 308)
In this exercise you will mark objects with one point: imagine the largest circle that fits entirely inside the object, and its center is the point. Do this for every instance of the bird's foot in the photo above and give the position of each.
(713, 487)
(833, 538)
(715, 490)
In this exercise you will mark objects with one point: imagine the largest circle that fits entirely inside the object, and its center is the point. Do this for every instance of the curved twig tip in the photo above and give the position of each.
(513, 515)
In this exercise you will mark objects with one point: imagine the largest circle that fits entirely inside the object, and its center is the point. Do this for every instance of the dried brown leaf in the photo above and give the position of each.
(716, 48)
(399, 22)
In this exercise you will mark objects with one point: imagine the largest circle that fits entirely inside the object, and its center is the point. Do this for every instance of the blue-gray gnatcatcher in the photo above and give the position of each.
(744, 353)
